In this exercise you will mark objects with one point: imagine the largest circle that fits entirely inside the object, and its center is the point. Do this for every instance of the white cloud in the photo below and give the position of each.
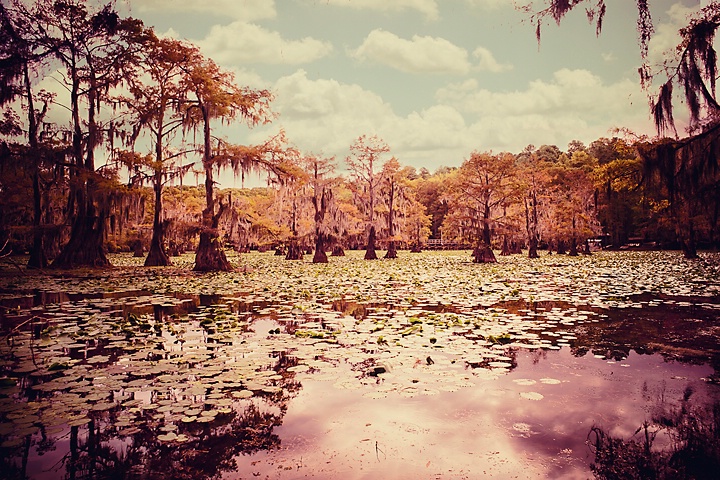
(576, 91)
(241, 43)
(419, 55)
(666, 36)
(247, 10)
(574, 104)
(486, 61)
(249, 78)
(439, 128)
(428, 8)
(490, 4)
(170, 33)
(325, 116)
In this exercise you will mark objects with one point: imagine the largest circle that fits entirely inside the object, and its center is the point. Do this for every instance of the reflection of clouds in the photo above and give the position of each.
(395, 437)
(488, 427)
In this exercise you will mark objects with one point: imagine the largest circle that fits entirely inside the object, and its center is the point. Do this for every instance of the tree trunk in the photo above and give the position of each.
(173, 249)
(561, 248)
(689, 245)
(416, 248)
(209, 256)
(392, 250)
(531, 221)
(505, 248)
(533, 248)
(157, 256)
(573, 240)
(138, 250)
(573, 247)
(486, 234)
(320, 255)
(483, 254)
(370, 253)
(294, 251)
(87, 233)
(85, 248)
(338, 251)
(37, 252)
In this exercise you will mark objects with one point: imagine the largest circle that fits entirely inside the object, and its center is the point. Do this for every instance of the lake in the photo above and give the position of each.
(427, 366)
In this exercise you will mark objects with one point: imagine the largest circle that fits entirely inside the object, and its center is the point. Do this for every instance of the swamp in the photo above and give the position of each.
(426, 366)
(123, 148)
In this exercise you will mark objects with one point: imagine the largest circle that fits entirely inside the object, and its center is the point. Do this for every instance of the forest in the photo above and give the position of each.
(134, 167)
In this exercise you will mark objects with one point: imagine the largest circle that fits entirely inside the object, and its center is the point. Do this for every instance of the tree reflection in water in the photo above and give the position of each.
(100, 449)
(690, 434)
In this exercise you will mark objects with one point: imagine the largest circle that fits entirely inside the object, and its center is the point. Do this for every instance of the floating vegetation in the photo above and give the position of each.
(532, 395)
(161, 357)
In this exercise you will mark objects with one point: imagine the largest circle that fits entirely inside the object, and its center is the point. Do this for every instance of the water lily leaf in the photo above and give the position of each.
(525, 381)
(77, 422)
(242, 394)
(101, 407)
(167, 437)
(129, 431)
(550, 381)
(12, 442)
(532, 395)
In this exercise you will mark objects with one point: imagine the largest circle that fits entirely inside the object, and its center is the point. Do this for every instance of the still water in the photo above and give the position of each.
(423, 368)
(532, 422)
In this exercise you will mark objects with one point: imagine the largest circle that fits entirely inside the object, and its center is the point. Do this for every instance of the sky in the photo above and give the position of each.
(434, 79)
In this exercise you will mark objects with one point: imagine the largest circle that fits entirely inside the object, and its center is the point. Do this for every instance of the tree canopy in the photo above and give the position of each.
(145, 113)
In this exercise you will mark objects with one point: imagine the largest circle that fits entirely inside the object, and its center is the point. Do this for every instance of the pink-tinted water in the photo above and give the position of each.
(532, 422)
